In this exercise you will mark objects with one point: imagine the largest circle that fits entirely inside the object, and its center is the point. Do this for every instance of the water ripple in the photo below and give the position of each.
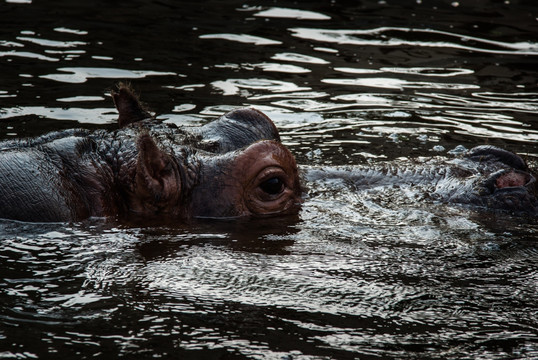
(276, 67)
(90, 116)
(400, 84)
(236, 86)
(285, 13)
(51, 43)
(82, 74)
(28, 55)
(294, 57)
(387, 36)
(70, 31)
(521, 102)
(424, 71)
(241, 38)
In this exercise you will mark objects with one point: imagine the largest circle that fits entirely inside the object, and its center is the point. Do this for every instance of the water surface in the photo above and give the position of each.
(384, 273)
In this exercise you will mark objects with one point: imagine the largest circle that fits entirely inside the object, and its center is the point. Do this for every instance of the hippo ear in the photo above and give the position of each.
(157, 177)
(128, 106)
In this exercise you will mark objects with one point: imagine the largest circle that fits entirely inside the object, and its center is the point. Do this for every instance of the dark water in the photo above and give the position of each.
(358, 274)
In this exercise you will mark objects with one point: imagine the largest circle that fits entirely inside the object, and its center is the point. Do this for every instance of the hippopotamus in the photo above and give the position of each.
(485, 177)
(235, 166)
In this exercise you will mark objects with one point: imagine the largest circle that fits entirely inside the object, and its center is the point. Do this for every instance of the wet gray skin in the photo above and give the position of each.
(232, 167)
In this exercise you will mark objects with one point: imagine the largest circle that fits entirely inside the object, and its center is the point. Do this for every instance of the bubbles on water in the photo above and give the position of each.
(458, 150)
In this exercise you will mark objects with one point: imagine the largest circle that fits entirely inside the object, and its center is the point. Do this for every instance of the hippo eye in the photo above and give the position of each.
(272, 186)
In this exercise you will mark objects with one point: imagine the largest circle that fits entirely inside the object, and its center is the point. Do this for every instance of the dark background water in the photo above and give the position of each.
(357, 275)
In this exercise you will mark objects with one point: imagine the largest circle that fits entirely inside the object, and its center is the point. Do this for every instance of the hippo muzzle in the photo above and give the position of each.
(512, 190)
(500, 180)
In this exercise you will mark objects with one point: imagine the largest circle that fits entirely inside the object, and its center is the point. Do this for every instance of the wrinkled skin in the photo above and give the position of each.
(146, 170)
(232, 167)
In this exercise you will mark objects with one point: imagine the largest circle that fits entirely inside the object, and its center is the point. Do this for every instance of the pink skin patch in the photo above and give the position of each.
(511, 179)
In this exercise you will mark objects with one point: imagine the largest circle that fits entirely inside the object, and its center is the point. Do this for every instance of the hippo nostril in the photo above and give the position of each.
(273, 186)
(511, 179)
(507, 179)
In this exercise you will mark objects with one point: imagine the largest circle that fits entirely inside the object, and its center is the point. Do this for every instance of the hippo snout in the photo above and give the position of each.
(495, 179)
(512, 190)
(507, 179)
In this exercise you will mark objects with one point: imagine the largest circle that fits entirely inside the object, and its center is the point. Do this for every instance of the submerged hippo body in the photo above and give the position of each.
(232, 167)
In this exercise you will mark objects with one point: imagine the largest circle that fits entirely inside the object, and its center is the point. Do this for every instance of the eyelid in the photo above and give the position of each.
(271, 172)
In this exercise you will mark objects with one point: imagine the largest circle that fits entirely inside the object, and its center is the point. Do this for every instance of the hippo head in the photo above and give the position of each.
(499, 180)
(232, 167)
(512, 186)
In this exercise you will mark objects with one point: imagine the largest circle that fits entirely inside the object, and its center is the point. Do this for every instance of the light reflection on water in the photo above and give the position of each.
(394, 36)
(81, 75)
(385, 273)
(242, 38)
(285, 13)
(97, 115)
